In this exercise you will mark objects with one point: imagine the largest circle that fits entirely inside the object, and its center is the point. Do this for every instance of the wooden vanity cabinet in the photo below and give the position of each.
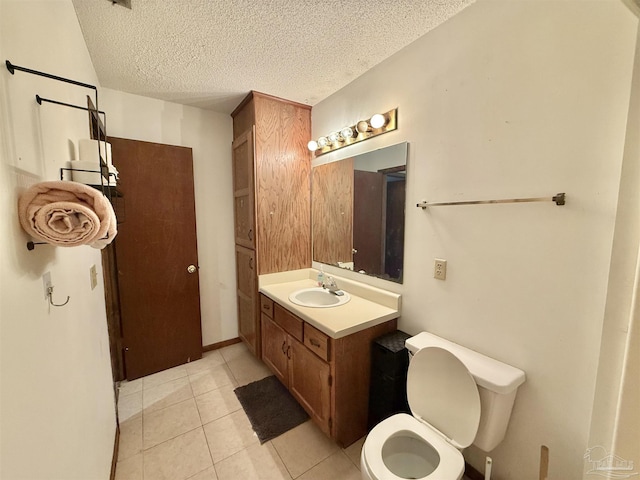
(272, 196)
(329, 377)
(307, 376)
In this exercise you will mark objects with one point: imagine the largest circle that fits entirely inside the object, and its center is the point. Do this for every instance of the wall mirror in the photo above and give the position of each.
(358, 206)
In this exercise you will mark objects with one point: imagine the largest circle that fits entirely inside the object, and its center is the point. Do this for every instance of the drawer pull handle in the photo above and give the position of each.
(314, 342)
(289, 352)
(267, 307)
(283, 345)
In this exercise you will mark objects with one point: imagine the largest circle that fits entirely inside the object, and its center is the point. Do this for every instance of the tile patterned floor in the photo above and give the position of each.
(186, 423)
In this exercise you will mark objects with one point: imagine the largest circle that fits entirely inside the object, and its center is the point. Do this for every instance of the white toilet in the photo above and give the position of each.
(457, 397)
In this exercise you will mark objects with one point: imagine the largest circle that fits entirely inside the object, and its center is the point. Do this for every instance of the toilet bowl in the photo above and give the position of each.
(457, 397)
(445, 404)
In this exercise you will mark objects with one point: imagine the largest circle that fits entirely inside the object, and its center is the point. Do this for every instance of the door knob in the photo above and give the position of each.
(191, 269)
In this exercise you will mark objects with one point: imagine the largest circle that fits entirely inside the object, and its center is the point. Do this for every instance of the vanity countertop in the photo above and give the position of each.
(368, 307)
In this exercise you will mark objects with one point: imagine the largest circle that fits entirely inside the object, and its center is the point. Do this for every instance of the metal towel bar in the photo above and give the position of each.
(559, 199)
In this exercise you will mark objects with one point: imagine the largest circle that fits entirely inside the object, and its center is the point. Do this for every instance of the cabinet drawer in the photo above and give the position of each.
(266, 306)
(289, 322)
(316, 341)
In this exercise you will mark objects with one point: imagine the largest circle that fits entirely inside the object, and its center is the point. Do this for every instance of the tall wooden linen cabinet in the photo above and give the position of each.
(272, 198)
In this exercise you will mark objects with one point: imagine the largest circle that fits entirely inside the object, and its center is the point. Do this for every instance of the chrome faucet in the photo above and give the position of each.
(331, 285)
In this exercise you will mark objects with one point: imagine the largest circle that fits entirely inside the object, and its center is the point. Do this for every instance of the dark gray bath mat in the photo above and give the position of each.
(270, 408)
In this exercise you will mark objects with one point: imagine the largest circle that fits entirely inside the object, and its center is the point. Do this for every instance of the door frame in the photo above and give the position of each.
(97, 131)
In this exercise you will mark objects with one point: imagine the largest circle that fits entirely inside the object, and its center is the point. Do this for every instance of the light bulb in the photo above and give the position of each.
(346, 132)
(322, 142)
(312, 145)
(333, 137)
(362, 126)
(377, 121)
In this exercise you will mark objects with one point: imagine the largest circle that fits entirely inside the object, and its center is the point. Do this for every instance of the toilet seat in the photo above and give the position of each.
(450, 466)
(445, 404)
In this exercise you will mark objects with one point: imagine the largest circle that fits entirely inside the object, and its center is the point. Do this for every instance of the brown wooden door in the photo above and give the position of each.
(159, 297)
(309, 383)
(248, 326)
(243, 189)
(368, 221)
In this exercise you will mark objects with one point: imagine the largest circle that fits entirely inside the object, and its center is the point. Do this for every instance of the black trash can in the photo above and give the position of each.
(388, 387)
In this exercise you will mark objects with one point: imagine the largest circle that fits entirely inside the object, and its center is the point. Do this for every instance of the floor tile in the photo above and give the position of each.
(159, 378)
(246, 369)
(303, 447)
(128, 387)
(208, 474)
(130, 469)
(211, 378)
(217, 403)
(336, 466)
(229, 435)
(233, 351)
(166, 394)
(130, 442)
(179, 458)
(354, 450)
(130, 406)
(169, 422)
(257, 462)
(208, 360)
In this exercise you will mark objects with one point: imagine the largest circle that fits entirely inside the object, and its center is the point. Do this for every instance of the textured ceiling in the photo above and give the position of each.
(210, 53)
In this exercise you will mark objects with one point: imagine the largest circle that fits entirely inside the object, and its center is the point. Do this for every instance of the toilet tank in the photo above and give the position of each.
(497, 384)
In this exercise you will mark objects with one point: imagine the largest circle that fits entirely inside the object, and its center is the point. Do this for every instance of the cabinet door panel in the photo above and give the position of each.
(309, 384)
(274, 349)
(248, 326)
(243, 189)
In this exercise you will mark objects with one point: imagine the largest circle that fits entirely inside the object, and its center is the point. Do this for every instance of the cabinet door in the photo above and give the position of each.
(274, 349)
(248, 326)
(309, 380)
(243, 189)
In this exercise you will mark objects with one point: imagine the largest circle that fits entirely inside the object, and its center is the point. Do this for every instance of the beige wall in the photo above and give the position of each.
(209, 135)
(57, 412)
(615, 424)
(511, 99)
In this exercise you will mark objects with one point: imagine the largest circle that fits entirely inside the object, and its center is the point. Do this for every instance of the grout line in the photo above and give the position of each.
(142, 429)
(282, 459)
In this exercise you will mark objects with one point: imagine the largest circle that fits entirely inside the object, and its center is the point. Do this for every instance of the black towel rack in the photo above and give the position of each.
(106, 190)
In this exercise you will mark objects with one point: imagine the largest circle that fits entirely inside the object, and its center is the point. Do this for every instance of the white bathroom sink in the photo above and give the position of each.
(318, 297)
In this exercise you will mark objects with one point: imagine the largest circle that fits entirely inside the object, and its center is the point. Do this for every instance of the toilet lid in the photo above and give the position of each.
(443, 394)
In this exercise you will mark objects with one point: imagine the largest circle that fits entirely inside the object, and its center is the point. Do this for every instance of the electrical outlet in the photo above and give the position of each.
(440, 269)
(93, 275)
(46, 283)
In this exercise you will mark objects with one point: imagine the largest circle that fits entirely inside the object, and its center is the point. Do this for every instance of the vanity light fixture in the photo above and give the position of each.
(377, 121)
(362, 126)
(376, 125)
(346, 132)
